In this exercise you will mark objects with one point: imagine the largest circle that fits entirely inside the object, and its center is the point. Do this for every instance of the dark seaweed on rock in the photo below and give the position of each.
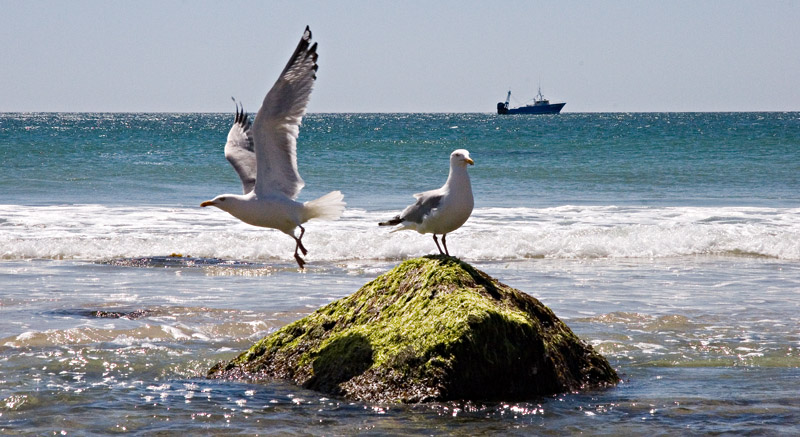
(431, 329)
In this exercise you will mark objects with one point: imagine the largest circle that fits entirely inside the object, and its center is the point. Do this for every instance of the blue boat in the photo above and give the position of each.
(540, 105)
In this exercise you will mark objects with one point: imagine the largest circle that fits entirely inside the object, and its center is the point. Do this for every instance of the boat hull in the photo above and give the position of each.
(553, 108)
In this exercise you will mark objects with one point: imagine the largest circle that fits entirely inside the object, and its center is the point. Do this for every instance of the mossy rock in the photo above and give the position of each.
(431, 329)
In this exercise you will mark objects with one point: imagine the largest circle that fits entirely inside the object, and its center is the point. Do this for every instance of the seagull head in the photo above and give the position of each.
(461, 157)
(223, 201)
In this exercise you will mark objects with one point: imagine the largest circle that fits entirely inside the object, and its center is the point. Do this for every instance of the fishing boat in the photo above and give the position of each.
(540, 105)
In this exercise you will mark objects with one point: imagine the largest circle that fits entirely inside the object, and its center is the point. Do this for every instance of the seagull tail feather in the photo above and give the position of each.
(328, 207)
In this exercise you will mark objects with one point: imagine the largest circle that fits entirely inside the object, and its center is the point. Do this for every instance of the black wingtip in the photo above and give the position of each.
(312, 52)
(303, 51)
(241, 116)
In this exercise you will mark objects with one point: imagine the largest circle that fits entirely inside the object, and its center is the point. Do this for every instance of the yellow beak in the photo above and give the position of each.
(207, 203)
(469, 161)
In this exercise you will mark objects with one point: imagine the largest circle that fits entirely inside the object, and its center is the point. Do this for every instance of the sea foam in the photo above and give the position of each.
(100, 233)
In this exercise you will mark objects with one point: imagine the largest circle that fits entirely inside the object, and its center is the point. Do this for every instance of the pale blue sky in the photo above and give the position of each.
(409, 56)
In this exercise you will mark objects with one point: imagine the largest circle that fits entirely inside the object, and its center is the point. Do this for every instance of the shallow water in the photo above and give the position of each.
(698, 350)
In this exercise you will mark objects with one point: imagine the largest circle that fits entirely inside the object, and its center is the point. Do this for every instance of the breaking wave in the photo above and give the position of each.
(103, 233)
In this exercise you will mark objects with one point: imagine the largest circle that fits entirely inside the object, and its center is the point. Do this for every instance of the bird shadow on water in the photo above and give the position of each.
(176, 260)
(211, 266)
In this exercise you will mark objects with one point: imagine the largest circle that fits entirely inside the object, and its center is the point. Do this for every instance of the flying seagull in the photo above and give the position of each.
(264, 155)
(443, 210)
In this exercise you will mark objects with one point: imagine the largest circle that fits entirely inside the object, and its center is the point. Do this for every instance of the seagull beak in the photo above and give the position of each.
(207, 203)
(469, 161)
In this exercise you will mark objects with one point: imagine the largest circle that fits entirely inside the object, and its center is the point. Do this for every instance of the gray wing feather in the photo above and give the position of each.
(277, 124)
(423, 207)
(239, 150)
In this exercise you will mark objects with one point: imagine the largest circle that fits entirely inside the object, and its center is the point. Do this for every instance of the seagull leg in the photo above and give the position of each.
(436, 240)
(300, 242)
(300, 261)
(444, 243)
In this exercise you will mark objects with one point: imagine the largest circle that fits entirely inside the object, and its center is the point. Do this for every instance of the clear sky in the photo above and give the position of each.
(402, 56)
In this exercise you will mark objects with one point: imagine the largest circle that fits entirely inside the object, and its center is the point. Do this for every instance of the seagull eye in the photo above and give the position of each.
(221, 199)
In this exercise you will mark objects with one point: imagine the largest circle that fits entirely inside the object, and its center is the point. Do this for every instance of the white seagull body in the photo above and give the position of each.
(442, 210)
(264, 156)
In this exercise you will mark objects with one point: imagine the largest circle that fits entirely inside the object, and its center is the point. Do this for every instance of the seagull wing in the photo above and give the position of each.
(426, 203)
(277, 124)
(239, 150)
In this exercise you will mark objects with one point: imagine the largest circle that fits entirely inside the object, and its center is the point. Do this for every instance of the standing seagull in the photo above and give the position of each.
(265, 156)
(443, 210)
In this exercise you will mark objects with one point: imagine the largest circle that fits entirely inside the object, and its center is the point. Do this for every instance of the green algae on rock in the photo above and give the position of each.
(431, 329)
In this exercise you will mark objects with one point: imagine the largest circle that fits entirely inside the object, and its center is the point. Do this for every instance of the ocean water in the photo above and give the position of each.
(669, 241)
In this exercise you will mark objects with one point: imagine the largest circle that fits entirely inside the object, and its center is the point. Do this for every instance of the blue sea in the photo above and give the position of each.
(668, 241)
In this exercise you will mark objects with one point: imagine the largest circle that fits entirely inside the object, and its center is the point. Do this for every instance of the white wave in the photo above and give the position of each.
(99, 232)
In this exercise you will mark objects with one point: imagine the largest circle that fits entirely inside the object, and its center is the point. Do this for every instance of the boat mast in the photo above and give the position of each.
(508, 97)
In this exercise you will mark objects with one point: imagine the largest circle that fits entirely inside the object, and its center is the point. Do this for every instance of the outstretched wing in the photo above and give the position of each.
(277, 124)
(239, 150)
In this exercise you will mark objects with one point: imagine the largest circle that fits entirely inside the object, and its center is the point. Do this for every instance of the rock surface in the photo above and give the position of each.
(431, 329)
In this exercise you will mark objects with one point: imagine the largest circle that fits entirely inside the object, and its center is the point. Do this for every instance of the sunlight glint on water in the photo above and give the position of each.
(670, 242)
